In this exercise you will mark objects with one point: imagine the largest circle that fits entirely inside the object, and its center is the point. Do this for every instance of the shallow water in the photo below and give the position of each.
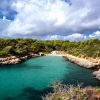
(31, 79)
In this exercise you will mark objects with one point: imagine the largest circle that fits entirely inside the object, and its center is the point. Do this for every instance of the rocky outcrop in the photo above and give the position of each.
(15, 59)
(82, 62)
(97, 74)
(9, 60)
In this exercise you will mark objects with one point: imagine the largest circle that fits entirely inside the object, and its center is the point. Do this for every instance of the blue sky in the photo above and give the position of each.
(50, 19)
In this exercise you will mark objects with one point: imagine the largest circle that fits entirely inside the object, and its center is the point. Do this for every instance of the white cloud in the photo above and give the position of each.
(54, 19)
(75, 36)
(95, 35)
(72, 37)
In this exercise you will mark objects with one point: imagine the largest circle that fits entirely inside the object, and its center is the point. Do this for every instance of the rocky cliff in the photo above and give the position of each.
(9, 60)
(97, 74)
(87, 63)
(16, 59)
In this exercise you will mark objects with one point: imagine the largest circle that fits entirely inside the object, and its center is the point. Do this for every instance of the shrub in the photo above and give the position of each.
(70, 92)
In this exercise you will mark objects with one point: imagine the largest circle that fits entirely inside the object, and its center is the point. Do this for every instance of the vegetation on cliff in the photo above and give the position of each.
(21, 47)
(70, 92)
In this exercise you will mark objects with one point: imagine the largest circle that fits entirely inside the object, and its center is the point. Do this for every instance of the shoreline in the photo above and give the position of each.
(86, 63)
(89, 63)
(11, 60)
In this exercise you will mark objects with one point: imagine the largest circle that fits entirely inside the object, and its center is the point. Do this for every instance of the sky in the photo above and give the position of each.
(73, 20)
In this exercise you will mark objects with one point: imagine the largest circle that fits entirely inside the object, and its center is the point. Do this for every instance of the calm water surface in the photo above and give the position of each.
(31, 79)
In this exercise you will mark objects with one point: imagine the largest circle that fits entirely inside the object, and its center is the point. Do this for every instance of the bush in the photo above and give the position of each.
(70, 92)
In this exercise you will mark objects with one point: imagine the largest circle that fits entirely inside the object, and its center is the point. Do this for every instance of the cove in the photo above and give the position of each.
(32, 78)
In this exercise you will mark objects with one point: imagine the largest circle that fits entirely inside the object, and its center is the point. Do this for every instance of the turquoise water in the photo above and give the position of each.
(31, 79)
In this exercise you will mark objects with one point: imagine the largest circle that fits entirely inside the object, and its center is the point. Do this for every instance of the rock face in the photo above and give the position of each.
(97, 74)
(87, 63)
(15, 59)
(9, 60)
(82, 62)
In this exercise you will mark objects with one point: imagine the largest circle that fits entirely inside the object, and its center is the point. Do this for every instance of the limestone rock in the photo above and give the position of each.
(97, 74)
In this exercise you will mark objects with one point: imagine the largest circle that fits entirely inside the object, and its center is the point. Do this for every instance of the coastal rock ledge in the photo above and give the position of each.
(87, 63)
(97, 74)
(15, 59)
(9, 60)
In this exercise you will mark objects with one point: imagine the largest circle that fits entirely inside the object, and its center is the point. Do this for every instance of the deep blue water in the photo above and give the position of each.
(31, 79)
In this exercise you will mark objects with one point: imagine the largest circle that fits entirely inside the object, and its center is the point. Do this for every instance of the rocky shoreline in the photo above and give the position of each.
(15, 59)
(83, 62)
(87, 63)
(97, 74)
(9, 60)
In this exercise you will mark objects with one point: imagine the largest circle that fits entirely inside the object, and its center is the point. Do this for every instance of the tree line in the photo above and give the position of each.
(21, 47)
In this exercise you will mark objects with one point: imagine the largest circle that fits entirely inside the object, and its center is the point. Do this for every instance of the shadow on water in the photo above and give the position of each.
(30, 93)
(19, 66)
(9, 98)
(80, 75)
(33, 94)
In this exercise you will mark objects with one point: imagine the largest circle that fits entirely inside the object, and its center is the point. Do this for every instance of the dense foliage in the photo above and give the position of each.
(20, 47)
